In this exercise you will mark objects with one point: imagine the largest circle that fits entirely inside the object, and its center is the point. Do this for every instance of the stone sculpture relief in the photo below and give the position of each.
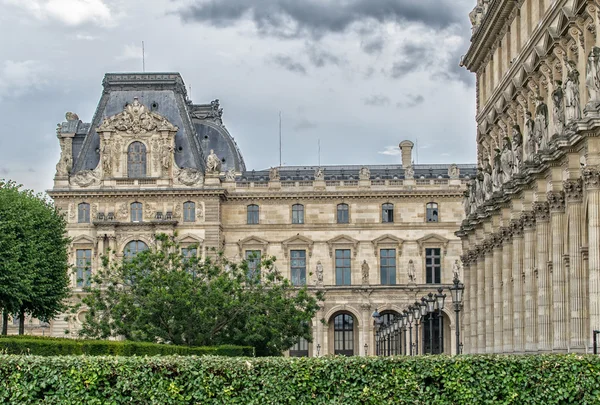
(466, 202)
(200, 213)
(558, 109)
(517, 145)
(412, 276)
(497, 172)
(453, 171)
(507, 161)
(488, 186)
(319, 174)
(319, 273)
(106, 158)
(274, 174)
(572, 97)
(479, 193)
(190, 176)
(85, 178)
(123, 212)
(530, 147)
(592, 79)
(365, 272)
(472, 192)
(213, 163)
(230, 175)
(456, 270)
(65, 162)
(166, 156)
(409, 173)
(364, 174)
(136, 119)
(541, 124)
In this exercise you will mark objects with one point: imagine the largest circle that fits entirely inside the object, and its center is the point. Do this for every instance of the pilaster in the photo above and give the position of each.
(516, 226)
(497, 293)
(591, 178)
(489, 296)
(530, 293)
(507, 290)
(544, 297)
(481, 293)
(560, 292)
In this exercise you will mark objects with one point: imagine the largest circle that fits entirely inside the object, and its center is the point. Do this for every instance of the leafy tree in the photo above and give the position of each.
(33, 255)
(163, 295)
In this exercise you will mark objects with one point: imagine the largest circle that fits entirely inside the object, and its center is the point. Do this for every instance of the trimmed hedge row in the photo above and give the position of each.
(544, 379)
(61, 347)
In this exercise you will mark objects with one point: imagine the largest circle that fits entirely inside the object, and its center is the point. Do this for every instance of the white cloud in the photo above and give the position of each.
(85, 37)
(20, 77)
(390, 151)
(130, 51)
(69, 12)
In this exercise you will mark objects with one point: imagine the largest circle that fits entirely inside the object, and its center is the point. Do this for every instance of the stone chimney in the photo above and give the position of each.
(406, 148)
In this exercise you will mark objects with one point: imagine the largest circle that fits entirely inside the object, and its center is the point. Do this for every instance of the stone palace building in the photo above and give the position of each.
(531, 239)
(151, 161)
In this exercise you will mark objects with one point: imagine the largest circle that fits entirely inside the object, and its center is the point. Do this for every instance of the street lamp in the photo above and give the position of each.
(377, 322)
(423, 315)
(404, 322)
(409, 318)
(396, 338)
(430, 310)
(457, 297)
(318, 349)
(417, 315)
(440, 298)
(366, 349)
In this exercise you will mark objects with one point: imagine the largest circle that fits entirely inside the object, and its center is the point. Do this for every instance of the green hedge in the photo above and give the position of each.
(40, 346)
(548, 379)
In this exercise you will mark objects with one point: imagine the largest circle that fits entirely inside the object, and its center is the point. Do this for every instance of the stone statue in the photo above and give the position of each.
(572, 98)
(479, 193)
(365, 272)
(409, 173)
(412, 275)
(453, 171)
(165, 155)
(558, 109)
(190, 176)
(507, 161)
(230, 175)
(541, 124)
(106, 160)
(85, 178)
(365, 173)
(213, 164)
(274, 174)
(517, 145)
(592, 78)
(123, 212)
(200, 213)
(71, 116)
(65, 161)
(466, 202)
(319, 273)
(319, 174)
(530, 147)
(488, 184)
(456, 270)
(497, 172)
(472, 192)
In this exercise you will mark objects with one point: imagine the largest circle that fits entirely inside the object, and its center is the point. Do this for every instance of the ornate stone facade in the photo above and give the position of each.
(531, 58)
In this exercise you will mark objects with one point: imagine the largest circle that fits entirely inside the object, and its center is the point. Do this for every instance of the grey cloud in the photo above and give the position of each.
(304, 125)
(4, 171)
(412, 101)
(293, 18)
(377, 100)
(320, 57)
(288, 63)
(373, 45)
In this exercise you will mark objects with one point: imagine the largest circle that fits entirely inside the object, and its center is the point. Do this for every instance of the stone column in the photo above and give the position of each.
(544, 304)
(481, 324)
(560, 292)
(497, 294)
(577, 280)
(530, 292)
(473, 297)
(591, 177)
(465, 333)
(516, 226)
(507, 291)
(489, 296)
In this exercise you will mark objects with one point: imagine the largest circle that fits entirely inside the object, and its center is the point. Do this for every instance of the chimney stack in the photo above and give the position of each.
(406, 148)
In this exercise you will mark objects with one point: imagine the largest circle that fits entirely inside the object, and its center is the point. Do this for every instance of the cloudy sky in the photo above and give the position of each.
(358, 75)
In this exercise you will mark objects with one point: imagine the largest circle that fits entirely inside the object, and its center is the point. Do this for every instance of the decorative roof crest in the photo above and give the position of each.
(136, 119)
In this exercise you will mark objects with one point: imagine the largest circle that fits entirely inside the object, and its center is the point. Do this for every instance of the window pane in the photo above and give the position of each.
(189, 212)
(253, 260)
(298, 267)
(388, 266)
(136, 160)
(342, 214)
(83, 213)
(342, 267)
(253, 214)
(84, 267)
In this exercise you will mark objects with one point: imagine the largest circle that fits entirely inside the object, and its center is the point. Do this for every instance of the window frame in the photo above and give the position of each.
(343, 273)
(253, 262)
(298, 268)
(189, 215)
(83, 213)
(137, 169)
(300, 348)
(340, 210)
(136, 214)
(83, 271)
(433, 269)
(128, 255)
(343, 332)
(298, 214)
(432, 211)
(389, 270)
(385, 209)
(252, 214)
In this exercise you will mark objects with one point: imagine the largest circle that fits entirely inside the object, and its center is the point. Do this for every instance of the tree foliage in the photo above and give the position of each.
(160, 295)
(34, 269)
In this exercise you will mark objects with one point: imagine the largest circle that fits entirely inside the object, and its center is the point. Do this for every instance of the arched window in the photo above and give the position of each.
(136, 160)
(133, 248)
(297, 214)
(387, 317)
(387, 213)
(252, 214)
(343, 214)
(432, 212)
(83, 213)
(433, 334)
(136, 212)
(189, 212)
(343, 329)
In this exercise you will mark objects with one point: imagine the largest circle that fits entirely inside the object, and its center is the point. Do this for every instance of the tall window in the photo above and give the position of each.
(343, 216)
(298, 267)
(136, 160)
(297, 214)
(387, 267)
(433, 266)
(300, 349)
(136, 212)
(387, 213)
(83, 213)
(343, 329)
(432, 212)
(84, 267)
(342, 267)
(252, 214)
(189, 212)
(133, 248)
(388, 317)
(253, 260)
(189, 253)
(436, 349)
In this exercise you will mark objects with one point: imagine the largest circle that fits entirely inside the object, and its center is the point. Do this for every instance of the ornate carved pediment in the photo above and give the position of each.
(253, 243)
(297, 241)
(85, 178)
(190, 239)
(433, 239)
(342, 240)
(83, 240)
(388, 240)
(136, 119)
(190, 177)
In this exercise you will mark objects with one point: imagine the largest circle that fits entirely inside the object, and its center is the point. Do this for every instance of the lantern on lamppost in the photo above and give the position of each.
(430, 310)
(456, 291)
(439, 304)
(417, 316)
(409, 319)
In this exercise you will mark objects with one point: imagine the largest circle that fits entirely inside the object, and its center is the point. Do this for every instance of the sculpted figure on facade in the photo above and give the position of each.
(85, 178)
(517, 145)
(123, 211)
(488, 184)
(107, 160)
(507, 161)
(558, 109)
(466, 202)
(412, 275)
(230, 175)
(530, 143)
(166, 156)
(213, 163)
(190, 176)
(479, 193)
(453, 171)
(592, 79)
(541, 124)
(365, 173)
(497, 171)
(65, 162)
(472, 192)
(572, 97)
(319, 273)
(409, 173)
(319, 174)
(136, 119)
(456, 270)
(274, 174)
(365, 272)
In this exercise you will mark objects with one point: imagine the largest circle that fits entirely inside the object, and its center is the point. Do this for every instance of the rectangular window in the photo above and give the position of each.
(83, 213)
(342, 267)
(136, 212)
(298, 267)
(187, 254)
(300, 349)
(84, 267)
(433, 266)
(189, 212)
(252, 214)
(298, 214)
(387, 213)
(387, 267)
(343, 216)
(253, 259)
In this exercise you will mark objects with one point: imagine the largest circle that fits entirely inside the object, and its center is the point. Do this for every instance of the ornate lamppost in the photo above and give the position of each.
(440, 298)
(417, 316)
(423, 315)
(396, 338)
(409, 319)
(430, 310)
(404, 322)
(457, 297)
(377, 321)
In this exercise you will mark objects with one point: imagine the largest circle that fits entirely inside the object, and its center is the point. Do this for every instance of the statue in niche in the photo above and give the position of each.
(365, 272)
(456, 270)
(106, 160)
(472, 202)
(530, 144)
(409, 173)
(507, 161)
(230, 175)
(517, 145)
(541, 124)
(412, 275)
(466, 202)
(572, 99)
(319, 174)
(592, 79)
(497, 172)
(488, 184)
(166, 153)
(319, 273)
(364, 174)
(213, 163)
(479, 193)
(558, 109)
